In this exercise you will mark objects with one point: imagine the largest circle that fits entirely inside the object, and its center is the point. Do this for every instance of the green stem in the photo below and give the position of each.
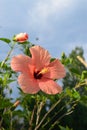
(62, 108)
(69, 111)
(32, 117)
(2, 118)
(45, 116)
(9, 53)
(39, 111)
(80, 85)
(11, 121)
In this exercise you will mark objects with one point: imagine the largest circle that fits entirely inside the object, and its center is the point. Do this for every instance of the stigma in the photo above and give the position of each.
(43, 71)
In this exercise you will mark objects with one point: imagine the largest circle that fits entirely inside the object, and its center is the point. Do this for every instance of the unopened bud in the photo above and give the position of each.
(16, 103)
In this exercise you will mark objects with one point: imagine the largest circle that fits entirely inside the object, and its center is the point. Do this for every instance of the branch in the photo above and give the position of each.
(82, 61)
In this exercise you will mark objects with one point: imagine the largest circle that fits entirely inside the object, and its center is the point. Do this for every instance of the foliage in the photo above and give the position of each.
(77, 76)
(41, 111)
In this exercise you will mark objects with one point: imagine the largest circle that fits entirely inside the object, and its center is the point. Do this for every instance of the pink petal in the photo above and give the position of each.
(28, 85)
(40, 56)
(49, 86)
(55, 70)
(20, 63)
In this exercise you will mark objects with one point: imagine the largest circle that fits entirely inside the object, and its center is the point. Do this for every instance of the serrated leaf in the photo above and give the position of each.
(5, 40)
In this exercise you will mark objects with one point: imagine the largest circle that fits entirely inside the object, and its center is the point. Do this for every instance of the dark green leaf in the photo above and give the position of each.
(65, 128)
(75, 71)
(5, 40)
(4, 102)
(84, 75)
(52, 59)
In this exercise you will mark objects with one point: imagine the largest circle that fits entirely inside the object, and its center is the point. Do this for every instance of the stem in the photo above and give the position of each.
(2, 118)
(82, 61)
(38, 112)
(69, 111)
(55, 115)
(79, 85)
(9, 53)
(32, 117)
(62, 108)
(11, 121)
(57, 121)
(37, 127)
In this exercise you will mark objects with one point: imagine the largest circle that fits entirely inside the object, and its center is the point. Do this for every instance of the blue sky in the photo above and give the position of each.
(60, 25)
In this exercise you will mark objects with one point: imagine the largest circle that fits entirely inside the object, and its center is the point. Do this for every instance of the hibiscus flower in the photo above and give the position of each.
(37, 72)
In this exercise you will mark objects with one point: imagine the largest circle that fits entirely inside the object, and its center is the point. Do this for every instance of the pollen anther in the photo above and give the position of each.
(43, 71)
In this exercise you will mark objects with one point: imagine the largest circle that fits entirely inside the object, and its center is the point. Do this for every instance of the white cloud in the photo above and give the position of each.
(43, 10)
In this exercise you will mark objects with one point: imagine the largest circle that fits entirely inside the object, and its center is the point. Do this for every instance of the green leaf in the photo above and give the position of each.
(5, 40)
(19, 113)
(52, 59)
(75, 94)
(64, 128)
(63, 55)
(75, 71)
(66, 61)
(4, 102)
(84, 75)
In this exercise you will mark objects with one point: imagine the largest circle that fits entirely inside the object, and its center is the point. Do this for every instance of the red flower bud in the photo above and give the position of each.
(21, 37)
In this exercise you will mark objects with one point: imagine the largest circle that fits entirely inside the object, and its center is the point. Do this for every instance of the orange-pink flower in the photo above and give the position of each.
(21, 37)
(37, 72)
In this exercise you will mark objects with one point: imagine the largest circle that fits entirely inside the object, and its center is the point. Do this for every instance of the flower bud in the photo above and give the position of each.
(21, 37)
(15, 105)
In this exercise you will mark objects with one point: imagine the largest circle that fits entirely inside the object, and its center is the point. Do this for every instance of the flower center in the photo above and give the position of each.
(39, 74)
